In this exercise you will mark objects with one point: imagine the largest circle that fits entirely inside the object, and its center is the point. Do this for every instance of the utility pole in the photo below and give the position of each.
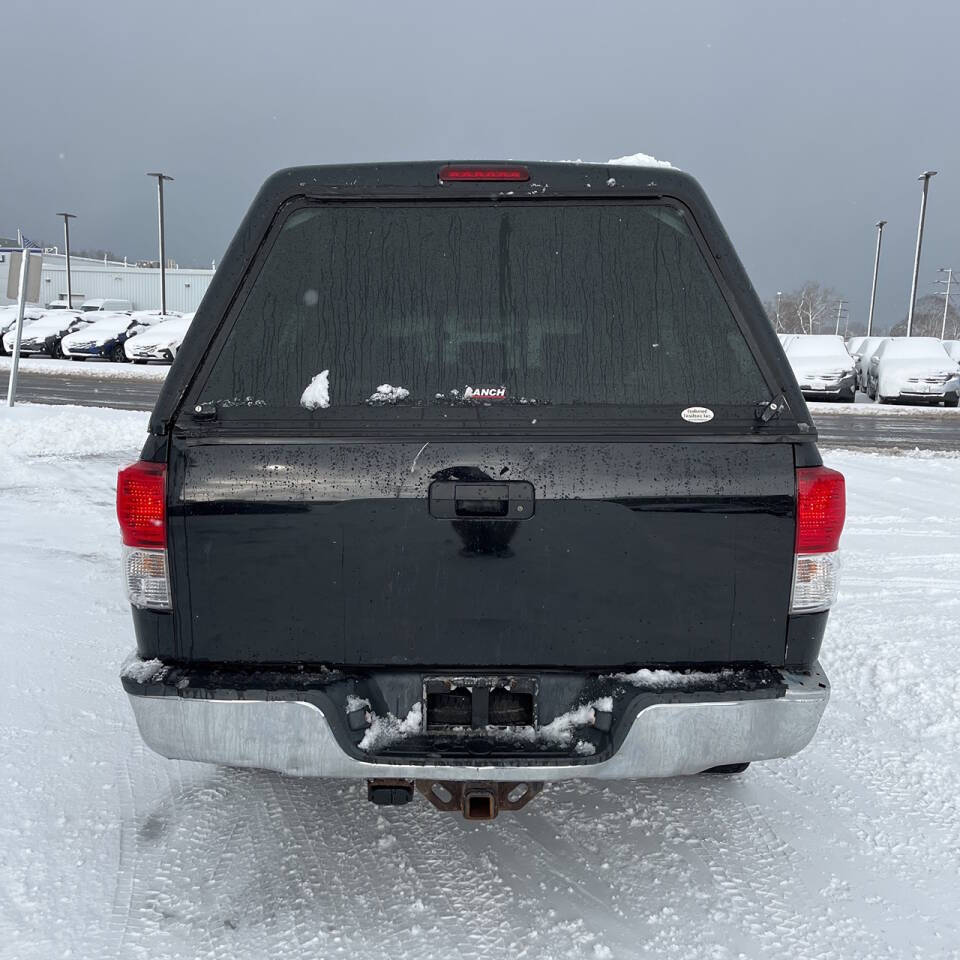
(840, 304)
(925, 177)
(876, 269)
(163, 250)
(67, 217)
(946, 298)
(779, 295)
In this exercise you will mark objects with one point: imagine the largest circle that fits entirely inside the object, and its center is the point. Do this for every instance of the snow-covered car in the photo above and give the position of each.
(953, 349)
(104, 338)
(823, 367)
(152, 317)
(160, 342)
(8, 322)
(853, 346)
(101, 305)
(862, 360)
(913, 368)
(46, 334)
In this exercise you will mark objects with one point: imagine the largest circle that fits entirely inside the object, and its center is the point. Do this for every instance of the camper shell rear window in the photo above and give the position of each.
(580, 308)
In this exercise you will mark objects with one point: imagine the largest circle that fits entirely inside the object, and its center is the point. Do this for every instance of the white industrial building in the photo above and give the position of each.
(115, 281)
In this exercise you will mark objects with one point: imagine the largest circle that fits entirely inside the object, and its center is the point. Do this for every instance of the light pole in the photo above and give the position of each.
(779, 295)
(163, 250)
(946, 298)
(876, 268)
(925, 177)
(67, 217)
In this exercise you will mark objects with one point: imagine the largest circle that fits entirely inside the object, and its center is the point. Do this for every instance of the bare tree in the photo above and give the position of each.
(807, 310)
(928, 319)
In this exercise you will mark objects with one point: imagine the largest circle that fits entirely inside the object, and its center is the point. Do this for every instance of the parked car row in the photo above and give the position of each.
(93, 332)
(887, 369)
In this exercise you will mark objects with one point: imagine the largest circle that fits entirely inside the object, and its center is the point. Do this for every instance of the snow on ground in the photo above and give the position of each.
(865, 405)
(102, 369)
(849, 850)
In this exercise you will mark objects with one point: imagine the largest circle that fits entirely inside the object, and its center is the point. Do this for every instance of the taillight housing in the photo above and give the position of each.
(482, 171)
(142, 515)
(821, 510)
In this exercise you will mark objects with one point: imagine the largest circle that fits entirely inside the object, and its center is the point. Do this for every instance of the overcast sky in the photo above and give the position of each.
(805, 121)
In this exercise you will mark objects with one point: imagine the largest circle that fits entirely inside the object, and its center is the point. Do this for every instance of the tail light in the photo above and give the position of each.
(821, 509)
(142, 514)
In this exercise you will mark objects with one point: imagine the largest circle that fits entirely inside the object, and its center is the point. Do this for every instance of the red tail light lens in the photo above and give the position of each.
(468, 171)
(821, 509)
(141, 504)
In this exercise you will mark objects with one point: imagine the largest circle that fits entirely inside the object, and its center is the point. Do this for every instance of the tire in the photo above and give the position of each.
(951, 400)
(848, 397)
(728, 768)
(77, 358)
(118, 355)
(139, 361)
(56, 351)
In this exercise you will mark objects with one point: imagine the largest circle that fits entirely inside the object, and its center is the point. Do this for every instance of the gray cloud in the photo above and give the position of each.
(806, 122)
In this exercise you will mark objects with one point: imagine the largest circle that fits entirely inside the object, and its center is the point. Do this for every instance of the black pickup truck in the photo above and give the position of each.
(474, 476)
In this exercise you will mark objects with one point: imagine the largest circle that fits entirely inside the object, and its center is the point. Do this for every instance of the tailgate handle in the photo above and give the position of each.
(453, 500)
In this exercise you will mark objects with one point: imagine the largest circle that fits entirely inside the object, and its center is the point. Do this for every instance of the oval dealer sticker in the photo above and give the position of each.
(697, 414)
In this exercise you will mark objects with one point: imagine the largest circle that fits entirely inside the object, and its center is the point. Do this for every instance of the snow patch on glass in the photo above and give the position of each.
(385, 393)
(317, 393)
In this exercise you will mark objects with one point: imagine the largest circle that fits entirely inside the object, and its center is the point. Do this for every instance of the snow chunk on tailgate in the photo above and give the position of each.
(317, 393)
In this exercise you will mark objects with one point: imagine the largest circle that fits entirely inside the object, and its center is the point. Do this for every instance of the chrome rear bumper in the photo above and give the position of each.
(665, 739)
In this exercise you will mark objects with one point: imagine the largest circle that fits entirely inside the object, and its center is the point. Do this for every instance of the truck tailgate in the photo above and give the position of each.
(332, 551)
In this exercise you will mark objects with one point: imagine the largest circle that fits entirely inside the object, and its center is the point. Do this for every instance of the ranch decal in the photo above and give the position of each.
(484, 393)
(697, 414)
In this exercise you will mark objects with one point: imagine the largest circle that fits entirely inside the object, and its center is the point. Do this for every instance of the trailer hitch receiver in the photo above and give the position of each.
(479, 799)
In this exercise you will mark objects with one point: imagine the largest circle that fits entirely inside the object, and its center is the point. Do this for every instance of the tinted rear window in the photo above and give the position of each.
(566, 304)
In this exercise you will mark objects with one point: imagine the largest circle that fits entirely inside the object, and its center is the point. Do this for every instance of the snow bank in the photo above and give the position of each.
(101, 369)
(317, 393)
(871, 409)
(39, 430)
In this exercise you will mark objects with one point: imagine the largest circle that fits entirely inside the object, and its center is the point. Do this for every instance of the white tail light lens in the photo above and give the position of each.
(145, 577)
(816, 578)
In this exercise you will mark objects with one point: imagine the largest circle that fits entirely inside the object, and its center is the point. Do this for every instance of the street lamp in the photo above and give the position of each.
(163, 250)
(925, 177)
(67, 217)
(876, 267)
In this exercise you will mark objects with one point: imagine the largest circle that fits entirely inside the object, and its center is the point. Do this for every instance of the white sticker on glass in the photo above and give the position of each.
(697, 414)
